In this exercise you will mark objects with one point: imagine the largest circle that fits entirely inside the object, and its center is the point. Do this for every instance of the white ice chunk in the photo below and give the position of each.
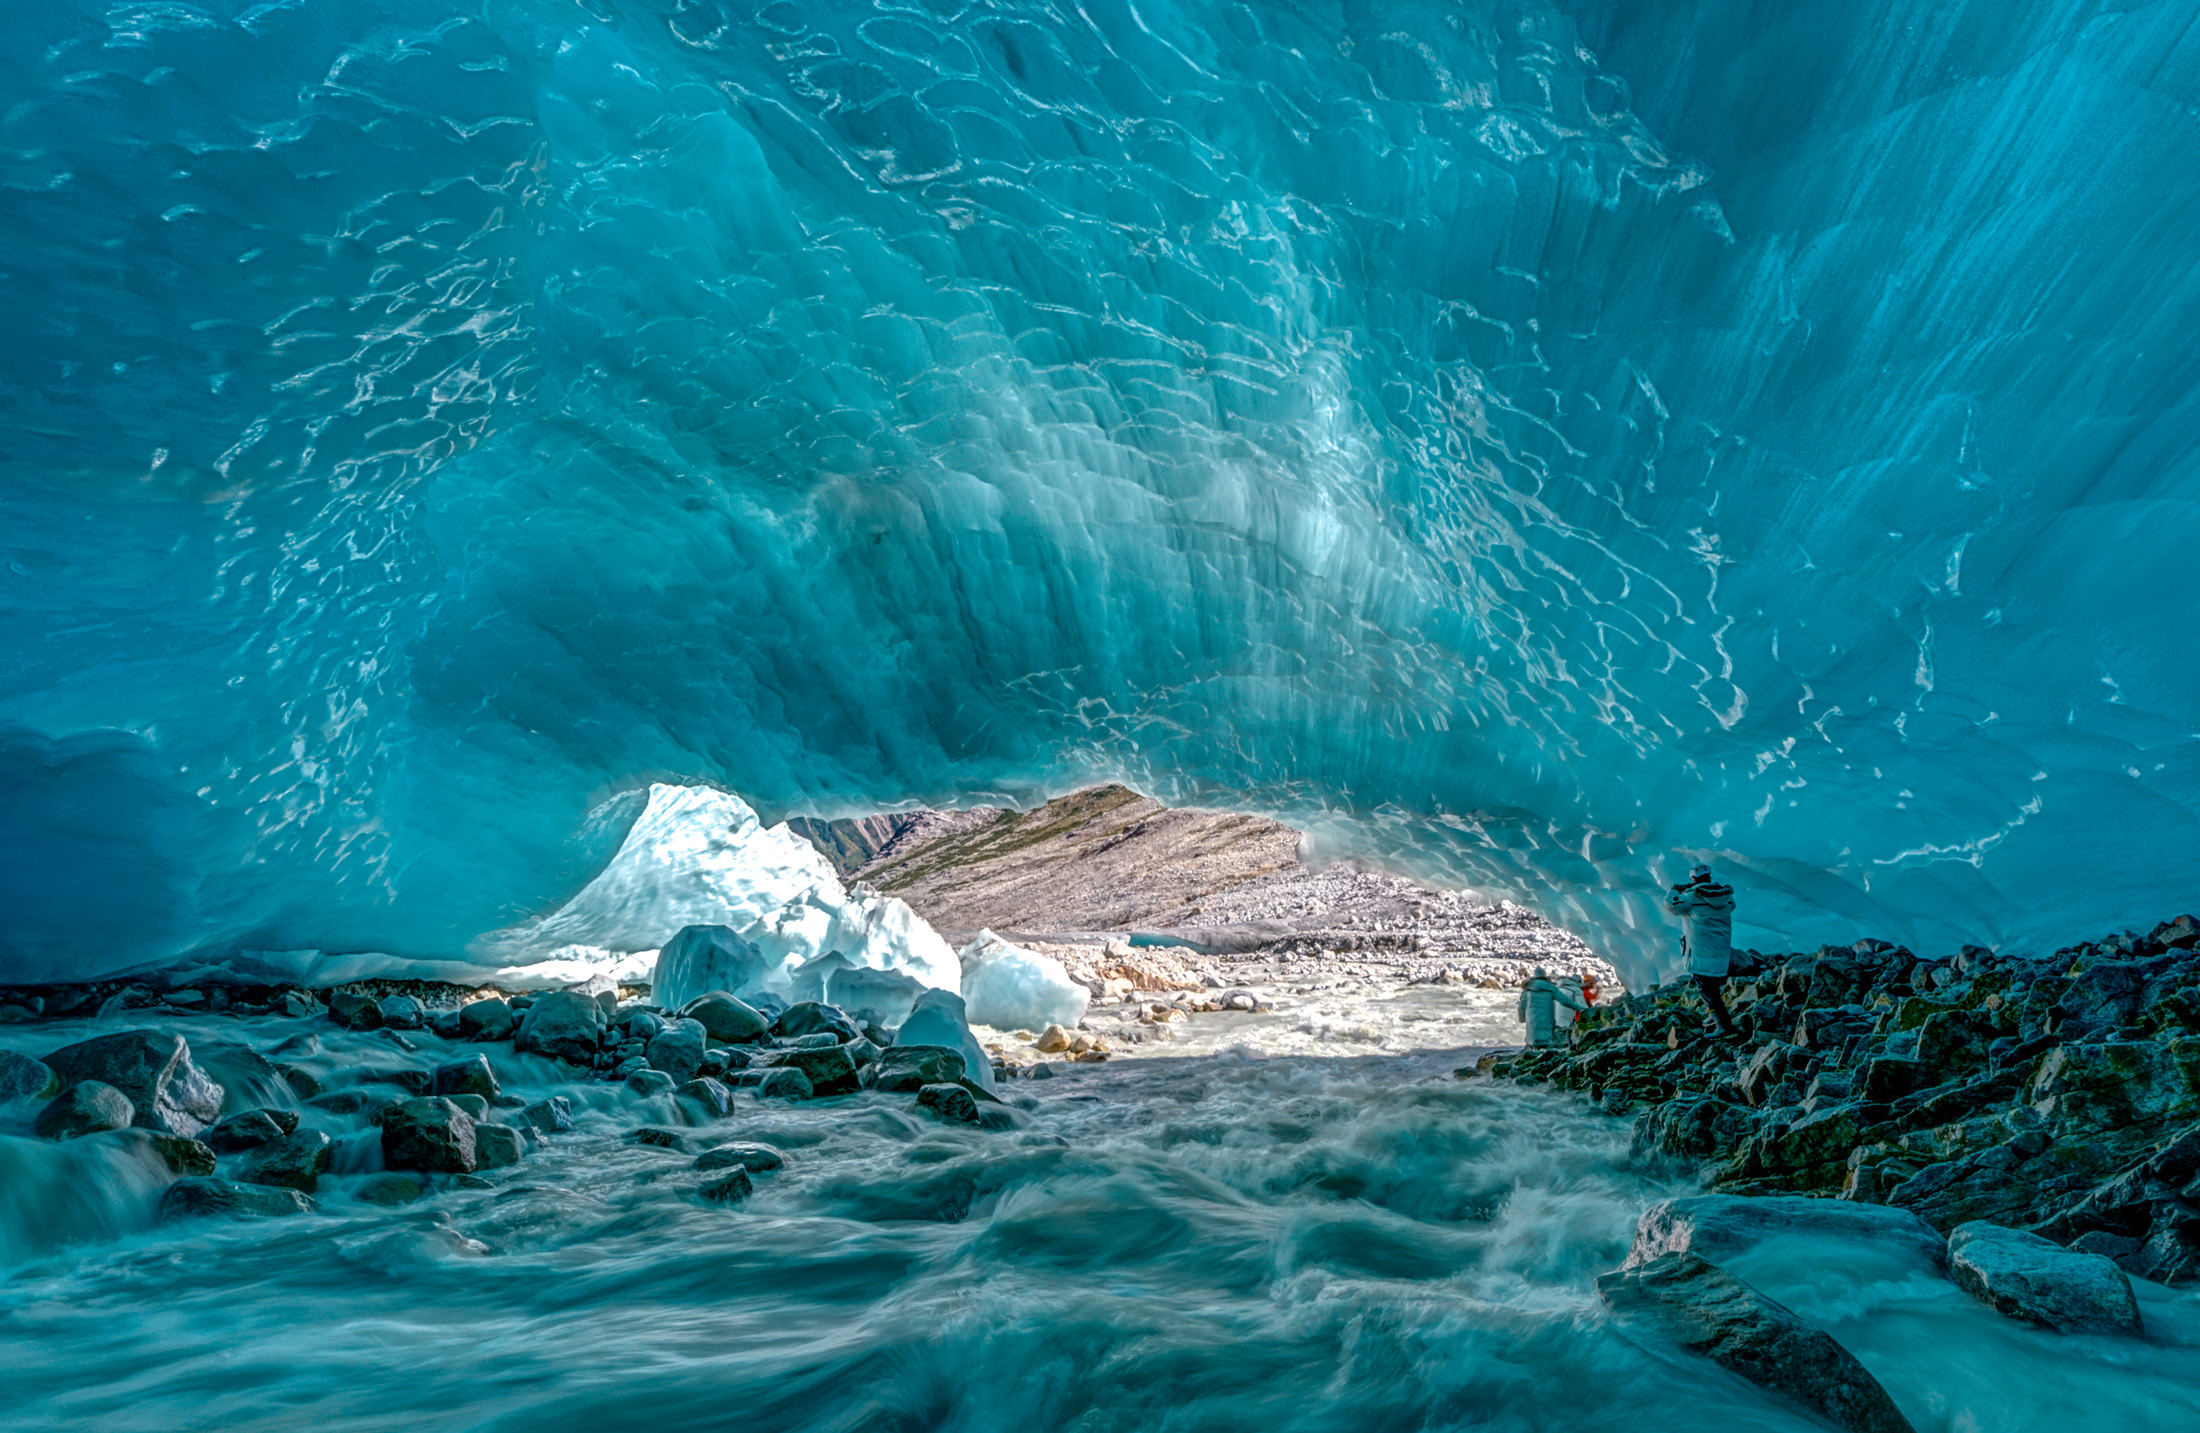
(1011, 988)
(703, 958)
(941, 1019)
(699, 856)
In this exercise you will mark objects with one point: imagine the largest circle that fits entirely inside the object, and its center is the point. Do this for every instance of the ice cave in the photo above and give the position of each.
(597, 594)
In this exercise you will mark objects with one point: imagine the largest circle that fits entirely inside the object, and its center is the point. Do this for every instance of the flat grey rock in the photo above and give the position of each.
(1719, 1226)
(2034, 1279)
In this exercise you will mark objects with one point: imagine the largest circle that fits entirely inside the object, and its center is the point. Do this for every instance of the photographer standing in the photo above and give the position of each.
(1706, 908)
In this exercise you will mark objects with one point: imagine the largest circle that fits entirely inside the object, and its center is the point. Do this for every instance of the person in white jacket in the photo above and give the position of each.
(1706, 909)
(1539, 1002)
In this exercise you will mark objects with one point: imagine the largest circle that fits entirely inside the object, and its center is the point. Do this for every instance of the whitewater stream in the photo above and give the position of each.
(1213, 1240)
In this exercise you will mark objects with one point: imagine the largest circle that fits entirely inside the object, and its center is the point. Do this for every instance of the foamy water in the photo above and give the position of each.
(1218, 1242)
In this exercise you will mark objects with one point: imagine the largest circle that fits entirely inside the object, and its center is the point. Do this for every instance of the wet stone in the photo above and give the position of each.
(472, 1076)
(2030, 1278)
(22, 1078)
(295, 1161)
(433, 1136)
(755, 1158)
(179, 1155)
(777, 1084)
(1706, 1310)
(251, 1128)
(195, 1197)
(707, 1097)
(659, 1136)
(402, 1012)
(87, 1107)
(952, 1103)
(353, 1011)
(553, 1115)
(486, 1020)
(647, 1083)
(166, 1090)
(732, 1188)
(902, 1068)
(830, 1069)
(497, 1146)
(724, 1017)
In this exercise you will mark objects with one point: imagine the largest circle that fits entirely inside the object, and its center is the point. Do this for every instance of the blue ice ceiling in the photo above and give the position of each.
(1538, 443)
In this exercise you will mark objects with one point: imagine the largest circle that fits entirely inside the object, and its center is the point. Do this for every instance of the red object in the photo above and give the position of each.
(1588, 990)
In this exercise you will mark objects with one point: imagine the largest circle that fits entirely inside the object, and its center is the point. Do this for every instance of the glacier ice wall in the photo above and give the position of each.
(1539, 443)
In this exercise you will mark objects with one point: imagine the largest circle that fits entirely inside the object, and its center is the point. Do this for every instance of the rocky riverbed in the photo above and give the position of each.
(2057, 1093)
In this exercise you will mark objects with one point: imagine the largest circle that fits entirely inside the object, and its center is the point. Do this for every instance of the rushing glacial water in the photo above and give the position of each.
(1217, 1241)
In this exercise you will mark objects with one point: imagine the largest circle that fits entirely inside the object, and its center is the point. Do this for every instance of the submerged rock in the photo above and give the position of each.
(188, 1198)
(772, 1083)
(1708, 1311)
(395, 1187)
(87, 1107)
(181, 1156)
(2030, 1278)
(431, 1135)
(168, 1092)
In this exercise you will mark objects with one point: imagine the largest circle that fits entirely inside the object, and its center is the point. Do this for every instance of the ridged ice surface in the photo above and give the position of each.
(1543, 444)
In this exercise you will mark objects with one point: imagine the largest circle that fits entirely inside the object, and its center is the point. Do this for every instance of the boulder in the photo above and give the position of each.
(22, 1078)
(649, 1083)
(402, 1012)
(776, 1084)
(706, 1097)
(565, 1024)
(732, 1189)
(902, 1068)
(486, 1020)
(354, 1011)
(431, 1135)
(679, 1050)
(295, 1161)
(411, 1081)
(86, 1107)
(660, 1137)
(2030, 1278)
(1052, 1041)
(723, 1017)
(187, 1198)
(951, 1103)
(1706, 1310)
(476, 1108)
(704, 958)
(755, 1158)
(496, 1146)
(814, 1017)
(472, 1076)
(154, 1069)
(553, 1115)
(1719, 1226)
(244, 1131)
(831, 1070)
